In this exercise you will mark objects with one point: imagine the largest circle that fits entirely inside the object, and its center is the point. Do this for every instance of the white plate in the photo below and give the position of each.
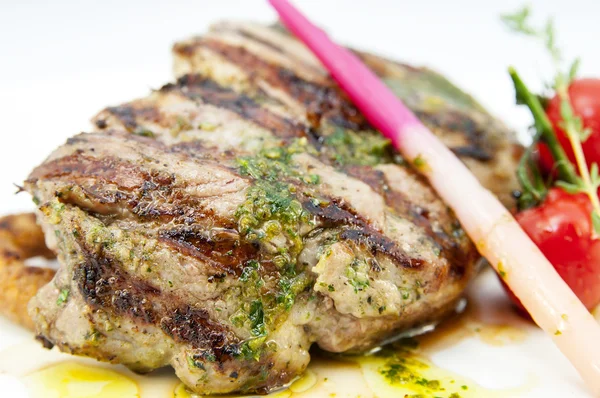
(63, 61)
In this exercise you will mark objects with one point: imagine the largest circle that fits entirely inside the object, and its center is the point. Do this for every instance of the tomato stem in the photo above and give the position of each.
(574, 137)
(565, 168)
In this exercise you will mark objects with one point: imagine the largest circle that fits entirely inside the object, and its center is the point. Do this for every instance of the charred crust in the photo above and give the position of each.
(77, 165)
(128, 114)
(322, 101)
(258, 39)
(372, 177)
(184, 49)
(361, 232)
(481, 146)
(473, 152)
(419, 216)
(134, 187)
(76, 139)
(196, 87)
(378, 243)
(194, 326)
(101, 124)
(223, 251)
(216, 277)
(333, 214)
(105, 285)
(44, 341)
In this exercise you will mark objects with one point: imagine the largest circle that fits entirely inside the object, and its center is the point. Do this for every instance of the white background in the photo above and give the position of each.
(62, 61)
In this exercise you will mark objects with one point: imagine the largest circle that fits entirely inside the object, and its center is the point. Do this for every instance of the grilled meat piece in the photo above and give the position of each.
(228, 221)
(254, 59)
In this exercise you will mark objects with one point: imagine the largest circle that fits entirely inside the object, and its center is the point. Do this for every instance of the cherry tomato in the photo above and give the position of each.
(562, 228)
(585, 99)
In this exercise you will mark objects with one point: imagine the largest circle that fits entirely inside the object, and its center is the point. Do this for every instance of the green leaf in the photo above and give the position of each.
(595, 178)
(570, 188)
(574, 69)
(596, 221)
(550, 41)
(594, 171)
(519, 22)
(584, 133)
(566, 112)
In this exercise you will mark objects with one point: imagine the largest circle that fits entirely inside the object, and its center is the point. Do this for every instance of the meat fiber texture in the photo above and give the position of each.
(228, 221)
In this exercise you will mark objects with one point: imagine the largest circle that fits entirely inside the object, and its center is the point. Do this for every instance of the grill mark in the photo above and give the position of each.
(321, 101)
(199, 150)
(186, 49)
(150, 198)
(379, 243)
(149, 195)
(458, 257)
(96, 198)
(402, 206)
(335, 214)
(104, 284)
(260, 40)
(473, 152)
(78, 165)
(377, 65)
(481, 147)
(223, 250)
(197, 87)
(191, 244)
(328, 102)
(101, 124)
(191, 325)
(370, 176)
(128, 114)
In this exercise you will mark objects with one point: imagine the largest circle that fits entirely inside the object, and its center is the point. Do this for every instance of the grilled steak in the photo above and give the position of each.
(230, 220)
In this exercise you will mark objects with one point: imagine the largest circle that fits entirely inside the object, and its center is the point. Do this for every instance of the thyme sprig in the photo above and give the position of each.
(588, 180)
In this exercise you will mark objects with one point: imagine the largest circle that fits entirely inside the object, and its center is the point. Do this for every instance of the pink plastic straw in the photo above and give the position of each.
(499, 238)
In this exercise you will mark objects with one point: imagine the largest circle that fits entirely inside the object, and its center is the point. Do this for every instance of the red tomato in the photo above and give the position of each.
(562, 228)
(585, 99)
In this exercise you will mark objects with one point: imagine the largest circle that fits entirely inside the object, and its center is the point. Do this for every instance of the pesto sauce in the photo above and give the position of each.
(63, 296)
(273, 215)
(402, 368)
(357, 277)
(271, 208)
(365, 148)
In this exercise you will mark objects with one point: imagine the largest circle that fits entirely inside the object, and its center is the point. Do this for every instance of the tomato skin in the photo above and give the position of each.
(585, 99)
(562, 228)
